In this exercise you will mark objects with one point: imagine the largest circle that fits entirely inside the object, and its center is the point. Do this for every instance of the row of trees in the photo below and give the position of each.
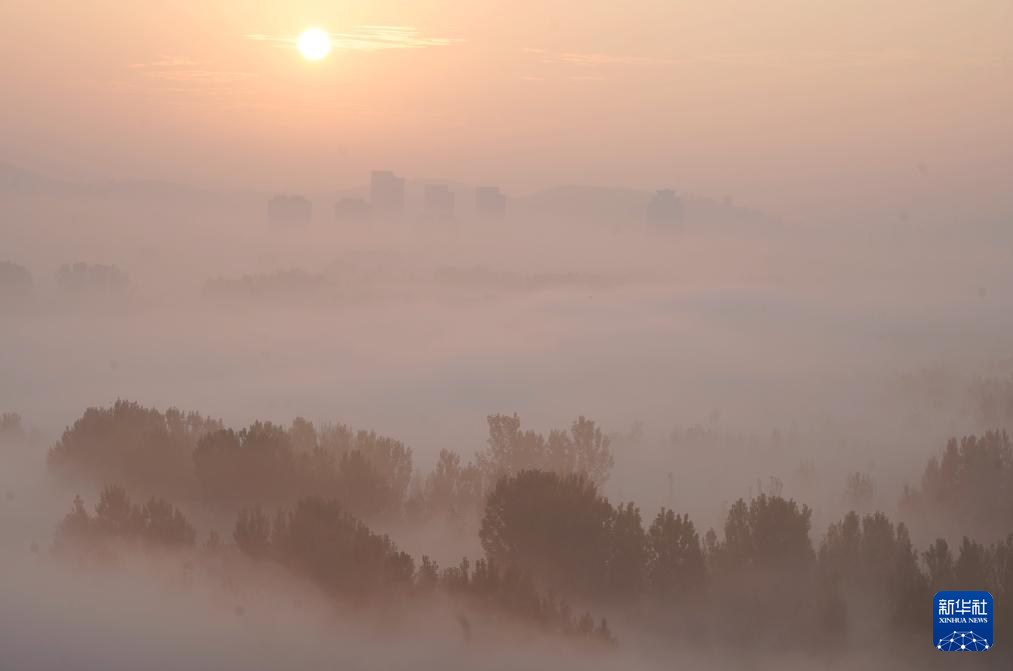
(15, 280)
(281, 284)
(178, 454)
(993, 398)
(81, 276)
(552, 539)
(157, 523)
(142, 447)
(320, 541)
(560, 529)
(758, 582)
(967, 490)
(368, 473)
(11, 428)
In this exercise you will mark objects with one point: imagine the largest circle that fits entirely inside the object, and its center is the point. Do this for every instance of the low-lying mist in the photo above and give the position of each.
(724, 357)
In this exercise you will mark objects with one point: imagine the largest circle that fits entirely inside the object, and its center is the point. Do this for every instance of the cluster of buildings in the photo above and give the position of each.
(289, 210)
(387, 201)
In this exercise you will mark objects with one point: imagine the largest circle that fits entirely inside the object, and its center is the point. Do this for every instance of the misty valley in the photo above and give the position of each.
(719, 465)
(553, 335)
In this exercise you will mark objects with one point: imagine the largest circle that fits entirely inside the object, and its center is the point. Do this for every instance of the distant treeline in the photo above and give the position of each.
(281, 284)
(184, 455)
(548, 534)
(318, 540)
(16, 280)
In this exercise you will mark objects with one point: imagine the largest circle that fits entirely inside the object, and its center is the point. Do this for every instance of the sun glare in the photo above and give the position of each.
(314, 44)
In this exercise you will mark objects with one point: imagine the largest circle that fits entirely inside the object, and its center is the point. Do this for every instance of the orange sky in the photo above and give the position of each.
(785, 104)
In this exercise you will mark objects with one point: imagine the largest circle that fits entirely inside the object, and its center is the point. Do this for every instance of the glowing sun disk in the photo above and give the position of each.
(314, 44)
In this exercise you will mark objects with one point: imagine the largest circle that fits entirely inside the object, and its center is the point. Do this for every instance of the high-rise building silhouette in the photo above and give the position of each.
(289, 210)
(490, 201)
(439, 202)
(386, 193)
(665, 207)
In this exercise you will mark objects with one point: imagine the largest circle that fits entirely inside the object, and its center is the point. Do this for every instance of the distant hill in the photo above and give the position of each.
(14, 179)
(17, 180)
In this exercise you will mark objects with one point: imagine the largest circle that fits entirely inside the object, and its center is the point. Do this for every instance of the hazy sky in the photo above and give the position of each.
(785, 104)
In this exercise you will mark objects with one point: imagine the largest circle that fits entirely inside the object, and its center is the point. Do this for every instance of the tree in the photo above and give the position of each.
(628, 551)
(993, 397)
(584, 449)
(555, 527)
(969, 489)
(114, 514)
(451, 487)
(11, 428)
(127, 443)
(973, 568)
(874, 564)
(592, 455)
(302, 436)
(392, 461)
(859, 491)
(320, 540)
(675, 561)
(510, 450)
(157, 523)
(765, 591)
(15, 280)
(254, 464)
(252, 532)
(75, 529)
(939, 562)
(769, 532)
(362, 489)
(163, 524)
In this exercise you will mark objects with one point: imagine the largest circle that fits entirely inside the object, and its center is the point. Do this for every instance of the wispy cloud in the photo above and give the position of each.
(177, 69)
(593, 58)
(183, 81)
(164, 62)
(773, 58)
(369, 38)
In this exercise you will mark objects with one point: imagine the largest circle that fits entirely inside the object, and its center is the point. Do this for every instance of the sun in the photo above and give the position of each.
(314, 44)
